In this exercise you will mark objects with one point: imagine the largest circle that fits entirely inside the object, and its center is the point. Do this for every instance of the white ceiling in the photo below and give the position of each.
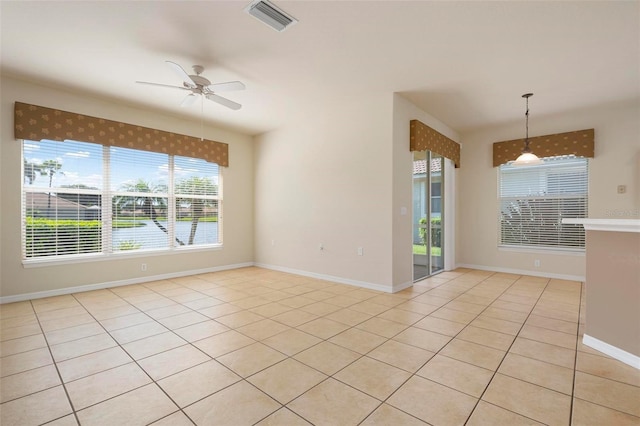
(466, 63)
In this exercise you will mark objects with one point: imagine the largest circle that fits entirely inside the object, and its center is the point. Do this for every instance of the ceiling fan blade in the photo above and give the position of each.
(224, 101)
(188, 100)
(227, 87)
(162, 85)
(183, 74)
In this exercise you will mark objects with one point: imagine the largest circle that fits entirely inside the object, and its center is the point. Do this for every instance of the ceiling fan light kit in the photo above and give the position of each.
(269, 14)
(527, 158)
(201, 86)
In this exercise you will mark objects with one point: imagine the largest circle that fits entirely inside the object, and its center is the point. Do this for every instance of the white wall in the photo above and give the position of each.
(326, 178)
(403, 112)
(237, 210)
(616, 162)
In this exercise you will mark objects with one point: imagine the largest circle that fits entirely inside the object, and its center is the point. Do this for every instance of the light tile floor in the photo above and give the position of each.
(254, 346)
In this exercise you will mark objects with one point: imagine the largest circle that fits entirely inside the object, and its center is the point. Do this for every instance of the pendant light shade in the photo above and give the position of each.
(527, 158)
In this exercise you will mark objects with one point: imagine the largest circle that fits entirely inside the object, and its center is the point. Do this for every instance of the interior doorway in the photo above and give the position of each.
(428, 214)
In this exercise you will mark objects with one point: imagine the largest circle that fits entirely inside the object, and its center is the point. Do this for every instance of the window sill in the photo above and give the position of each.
(101, 257)
(552, 251)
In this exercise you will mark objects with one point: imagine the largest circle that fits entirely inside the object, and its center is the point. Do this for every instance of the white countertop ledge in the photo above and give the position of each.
(613, 225)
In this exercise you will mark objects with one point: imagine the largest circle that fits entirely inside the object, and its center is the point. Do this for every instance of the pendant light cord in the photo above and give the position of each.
(526, 138)
(526, 114)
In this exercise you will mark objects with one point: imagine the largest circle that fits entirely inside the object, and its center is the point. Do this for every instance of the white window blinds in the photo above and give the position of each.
(62, 198)
(83, 198)
(197, 201)
(139, 196)
(535, 199)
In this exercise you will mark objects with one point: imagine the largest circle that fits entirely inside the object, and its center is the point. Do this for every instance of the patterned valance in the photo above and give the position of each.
(580, 143)
(424, 138)
(34, 122)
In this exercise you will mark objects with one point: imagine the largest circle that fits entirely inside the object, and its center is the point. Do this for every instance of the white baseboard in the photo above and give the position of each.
(613, 351)
(523, 272)
(400, 287)
(339, 280)
(109, 284)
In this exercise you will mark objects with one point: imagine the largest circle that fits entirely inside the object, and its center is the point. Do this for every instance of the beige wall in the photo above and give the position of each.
(15, 279)
(617, 162)
(327, 179)
(613, 289)
(340, 177)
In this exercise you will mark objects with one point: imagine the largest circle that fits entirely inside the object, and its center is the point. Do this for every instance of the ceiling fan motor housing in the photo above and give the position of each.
(200, 81)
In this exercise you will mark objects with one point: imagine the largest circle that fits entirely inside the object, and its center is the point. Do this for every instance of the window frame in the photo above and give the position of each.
(106, 194)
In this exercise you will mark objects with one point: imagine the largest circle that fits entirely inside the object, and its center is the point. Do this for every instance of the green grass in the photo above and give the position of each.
(129, 245)
(118, 224)
(138, 221)
(202, 219)
(419, 249)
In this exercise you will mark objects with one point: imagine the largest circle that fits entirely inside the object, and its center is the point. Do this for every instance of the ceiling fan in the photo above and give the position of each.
(198, 85)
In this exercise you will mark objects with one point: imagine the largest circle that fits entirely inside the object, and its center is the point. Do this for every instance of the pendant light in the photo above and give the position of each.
(527, 158)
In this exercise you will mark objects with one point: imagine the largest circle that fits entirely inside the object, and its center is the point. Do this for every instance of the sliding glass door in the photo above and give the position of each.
(428, 218)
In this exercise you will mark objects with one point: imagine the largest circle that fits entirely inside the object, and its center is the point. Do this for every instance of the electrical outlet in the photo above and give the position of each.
(360, 251)
(143, 267)
(536, 263)
(321, 246)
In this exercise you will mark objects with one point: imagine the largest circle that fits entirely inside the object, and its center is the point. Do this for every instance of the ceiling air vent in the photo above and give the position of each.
(269, 14)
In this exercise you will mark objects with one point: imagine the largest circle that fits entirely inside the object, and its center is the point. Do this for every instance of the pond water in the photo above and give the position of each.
(150, 236)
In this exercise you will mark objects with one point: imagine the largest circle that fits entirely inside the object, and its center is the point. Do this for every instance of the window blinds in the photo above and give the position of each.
(83, 198)
(535, 199)
(139, 196)
(62, 198)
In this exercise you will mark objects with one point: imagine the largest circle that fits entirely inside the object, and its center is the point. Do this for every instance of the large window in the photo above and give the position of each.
(535, 199)
(82, 198)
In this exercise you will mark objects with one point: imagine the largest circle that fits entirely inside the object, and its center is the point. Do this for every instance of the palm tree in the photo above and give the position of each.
(31, 171)
(148, 204)
(50, 168)
(195, 186)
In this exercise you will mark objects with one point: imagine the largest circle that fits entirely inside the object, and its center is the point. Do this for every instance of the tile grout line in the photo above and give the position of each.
(322, 340)
(507, 352)
(387, 339)
(575, 359)
(437, 352)
(133, 361)
(331, 376)
(285, 406)
(55, 365)
(155, 320)
(190, 343)
(181, 409)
